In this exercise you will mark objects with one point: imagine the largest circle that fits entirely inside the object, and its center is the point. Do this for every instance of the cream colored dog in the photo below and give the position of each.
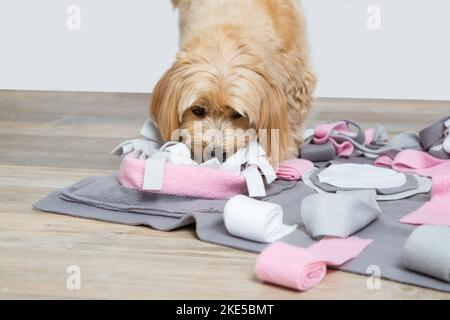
(242, 67)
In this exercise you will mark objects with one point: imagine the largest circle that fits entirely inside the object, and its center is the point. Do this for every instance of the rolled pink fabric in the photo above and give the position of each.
(418, 162)
(294, 169)
(184, 180)
(302, 269)
(290, 266)
(437, 210)
(322, 132)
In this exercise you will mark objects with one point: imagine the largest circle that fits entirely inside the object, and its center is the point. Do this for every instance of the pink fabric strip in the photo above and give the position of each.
(322, 132)
(437, 210)
(383, 161)
(302, 269)
(344, 149)
(184, 180)
(418, 162)
(322, 135)
(370, 135)
(294, 169)
(337, 251)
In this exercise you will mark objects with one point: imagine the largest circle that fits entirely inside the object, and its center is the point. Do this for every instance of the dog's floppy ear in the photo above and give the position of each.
(165, 102)
(304, 96)
(273, 124)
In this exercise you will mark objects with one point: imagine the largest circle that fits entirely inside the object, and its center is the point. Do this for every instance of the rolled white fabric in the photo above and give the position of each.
(255, 220)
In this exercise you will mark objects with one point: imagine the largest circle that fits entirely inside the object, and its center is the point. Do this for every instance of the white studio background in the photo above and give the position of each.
(126, 45)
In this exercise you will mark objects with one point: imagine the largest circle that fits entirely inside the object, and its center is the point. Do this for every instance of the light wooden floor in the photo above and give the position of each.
(51, 140)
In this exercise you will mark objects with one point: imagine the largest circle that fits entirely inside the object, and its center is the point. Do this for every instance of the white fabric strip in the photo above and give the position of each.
(255, 183)
(255, 220)
(142, 147)
(256, 156)
(174, 152)
(177, 153)
(150, 131)
(154, 173)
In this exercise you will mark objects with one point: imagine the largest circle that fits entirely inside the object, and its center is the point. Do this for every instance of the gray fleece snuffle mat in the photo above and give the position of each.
(106, 199)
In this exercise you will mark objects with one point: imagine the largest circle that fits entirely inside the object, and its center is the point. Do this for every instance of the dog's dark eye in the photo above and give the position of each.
(236, 115)
(199, 111)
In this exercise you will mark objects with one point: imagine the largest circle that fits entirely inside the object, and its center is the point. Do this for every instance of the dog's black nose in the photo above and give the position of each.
(224, 156)
(213, 154)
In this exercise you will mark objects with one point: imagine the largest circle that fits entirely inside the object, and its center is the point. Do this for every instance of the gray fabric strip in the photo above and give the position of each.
(432, 134)
(106, 192)
(351, 159)
(438, 151)
(360, 136)
(318, 152)
(380, 146)
(377, 150)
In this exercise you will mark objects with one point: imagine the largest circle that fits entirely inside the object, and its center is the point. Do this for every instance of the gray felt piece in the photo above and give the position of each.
(106, 192)
(387, 232)
(427, 250)
(339, 214)
(410, 184)
(424, 187)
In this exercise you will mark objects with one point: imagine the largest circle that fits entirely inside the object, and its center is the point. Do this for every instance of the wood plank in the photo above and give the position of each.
(61, 152)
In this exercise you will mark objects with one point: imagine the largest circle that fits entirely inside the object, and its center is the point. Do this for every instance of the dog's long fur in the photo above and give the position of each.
(242, 64)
